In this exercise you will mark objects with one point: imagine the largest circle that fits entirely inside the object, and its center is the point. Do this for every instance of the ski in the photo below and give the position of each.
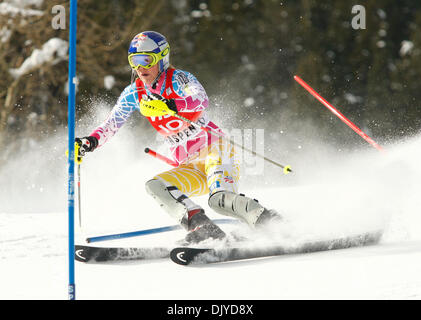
(90, 254)
(186, 256)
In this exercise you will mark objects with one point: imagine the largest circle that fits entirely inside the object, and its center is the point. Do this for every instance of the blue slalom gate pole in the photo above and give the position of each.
(71, 146)
(149, 231)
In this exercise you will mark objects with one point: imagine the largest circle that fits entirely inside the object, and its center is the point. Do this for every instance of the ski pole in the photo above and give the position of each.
(286, 169)
(78, 160)
(337, 113)
(79, 195)
(160, 157)
(150, 231)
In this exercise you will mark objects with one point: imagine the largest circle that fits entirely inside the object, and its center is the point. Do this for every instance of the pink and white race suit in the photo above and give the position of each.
(214, 168)
(191, 100)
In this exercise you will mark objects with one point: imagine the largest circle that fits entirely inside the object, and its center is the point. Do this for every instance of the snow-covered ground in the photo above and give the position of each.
(359, 192)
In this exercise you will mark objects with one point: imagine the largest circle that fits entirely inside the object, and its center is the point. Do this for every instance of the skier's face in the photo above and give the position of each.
(148, 75)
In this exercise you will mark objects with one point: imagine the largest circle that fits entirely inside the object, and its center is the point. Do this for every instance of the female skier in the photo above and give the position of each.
(206, 163)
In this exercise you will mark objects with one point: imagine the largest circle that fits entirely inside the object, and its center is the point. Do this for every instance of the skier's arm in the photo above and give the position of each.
(125, 106)
(193, 97)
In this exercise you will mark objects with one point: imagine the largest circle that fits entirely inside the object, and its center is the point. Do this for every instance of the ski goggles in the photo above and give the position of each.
(147, 59)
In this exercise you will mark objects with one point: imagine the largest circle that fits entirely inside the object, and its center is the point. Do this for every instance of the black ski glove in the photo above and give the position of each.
(169, 102)
(86, 144)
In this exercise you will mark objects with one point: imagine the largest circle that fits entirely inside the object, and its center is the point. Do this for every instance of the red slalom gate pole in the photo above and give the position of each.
(337, 113)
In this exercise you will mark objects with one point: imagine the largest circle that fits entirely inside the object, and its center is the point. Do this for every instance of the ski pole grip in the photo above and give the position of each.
(78, 157)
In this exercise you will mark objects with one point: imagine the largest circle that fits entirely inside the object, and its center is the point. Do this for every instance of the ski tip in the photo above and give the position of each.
(179, 256)
(81, 253)
(186, 256)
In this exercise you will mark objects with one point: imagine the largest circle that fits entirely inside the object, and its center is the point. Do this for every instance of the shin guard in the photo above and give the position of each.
(172, 200)
(237, 206)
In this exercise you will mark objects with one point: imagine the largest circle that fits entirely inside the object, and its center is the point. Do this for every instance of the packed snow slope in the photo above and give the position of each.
(329, 194)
